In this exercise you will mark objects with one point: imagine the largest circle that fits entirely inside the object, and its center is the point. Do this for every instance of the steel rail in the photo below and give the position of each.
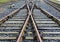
(48, 14)
(6, 17)
(22, 31)
(10, 15)
(30, 13)
(24, 26)
(39, 37)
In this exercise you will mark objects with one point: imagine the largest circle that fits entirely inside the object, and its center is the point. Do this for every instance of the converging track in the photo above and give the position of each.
(29, 24)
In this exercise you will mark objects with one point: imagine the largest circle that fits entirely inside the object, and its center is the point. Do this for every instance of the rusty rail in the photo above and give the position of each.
(22, 31)
(39, 37)
(10, 14)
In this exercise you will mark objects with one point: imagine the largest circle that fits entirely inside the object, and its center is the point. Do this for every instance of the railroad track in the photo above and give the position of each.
(54, 5)
(30, 25)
